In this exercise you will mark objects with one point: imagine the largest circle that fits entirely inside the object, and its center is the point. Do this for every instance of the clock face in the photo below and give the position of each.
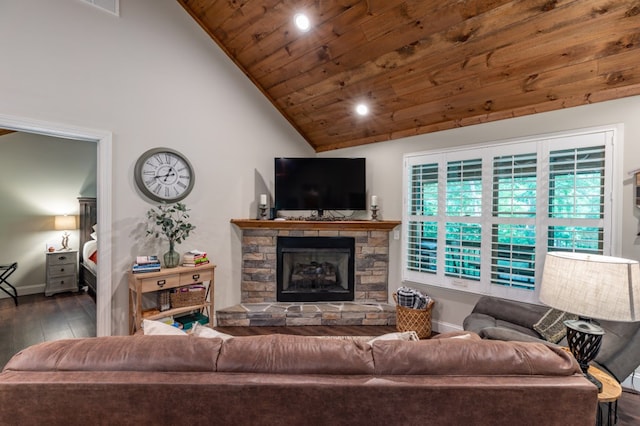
(164, 175)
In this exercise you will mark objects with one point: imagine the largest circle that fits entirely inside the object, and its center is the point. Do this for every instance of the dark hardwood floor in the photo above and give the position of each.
(38, 318)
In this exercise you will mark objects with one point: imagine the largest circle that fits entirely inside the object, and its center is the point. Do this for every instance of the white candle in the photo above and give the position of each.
(374, 200)
(263, 199)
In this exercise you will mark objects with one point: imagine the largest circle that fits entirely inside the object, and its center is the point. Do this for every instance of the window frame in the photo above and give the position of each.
(542, 145)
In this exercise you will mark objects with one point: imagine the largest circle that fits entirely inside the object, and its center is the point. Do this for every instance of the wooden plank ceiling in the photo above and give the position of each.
(424, 66)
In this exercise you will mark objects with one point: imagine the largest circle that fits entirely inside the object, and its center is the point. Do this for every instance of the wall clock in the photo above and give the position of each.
(164, 175)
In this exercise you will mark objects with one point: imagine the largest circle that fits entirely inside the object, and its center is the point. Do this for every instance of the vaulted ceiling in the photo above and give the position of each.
(422, 65)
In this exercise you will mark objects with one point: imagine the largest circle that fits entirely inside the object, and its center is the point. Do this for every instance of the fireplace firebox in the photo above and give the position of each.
(315, 269)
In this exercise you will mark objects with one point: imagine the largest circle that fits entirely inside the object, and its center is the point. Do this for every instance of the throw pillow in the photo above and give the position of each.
(406, 335)
(204, 331)
(551, 326)
(463, 335)
(157, 328)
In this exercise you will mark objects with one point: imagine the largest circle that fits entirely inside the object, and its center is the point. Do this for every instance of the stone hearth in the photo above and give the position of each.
(308, 313)
(259, 304)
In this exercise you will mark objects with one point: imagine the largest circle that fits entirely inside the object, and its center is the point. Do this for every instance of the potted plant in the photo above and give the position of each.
(171, 222)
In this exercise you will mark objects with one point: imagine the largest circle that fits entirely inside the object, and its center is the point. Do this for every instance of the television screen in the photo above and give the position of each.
(320, 184)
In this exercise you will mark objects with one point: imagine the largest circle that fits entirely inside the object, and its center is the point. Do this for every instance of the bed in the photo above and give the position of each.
(88, 244)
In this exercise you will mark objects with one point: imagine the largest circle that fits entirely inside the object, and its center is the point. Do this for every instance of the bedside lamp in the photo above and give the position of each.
(590, 286)
(65, 223)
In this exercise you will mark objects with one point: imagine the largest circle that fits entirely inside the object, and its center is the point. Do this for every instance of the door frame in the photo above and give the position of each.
(103, 182)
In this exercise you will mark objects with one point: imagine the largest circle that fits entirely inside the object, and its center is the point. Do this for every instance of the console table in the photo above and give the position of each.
(166, 279)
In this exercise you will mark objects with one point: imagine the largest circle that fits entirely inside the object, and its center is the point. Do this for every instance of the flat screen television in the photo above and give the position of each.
(320, 184)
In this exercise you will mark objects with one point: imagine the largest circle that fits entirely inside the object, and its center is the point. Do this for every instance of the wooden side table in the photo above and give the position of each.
(166, 279)
(611, 392)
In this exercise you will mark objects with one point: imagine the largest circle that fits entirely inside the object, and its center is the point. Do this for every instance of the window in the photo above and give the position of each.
(481, 219)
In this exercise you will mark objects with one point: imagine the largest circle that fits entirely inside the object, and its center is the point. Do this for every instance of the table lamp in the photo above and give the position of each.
(65, 223)
(592, 287)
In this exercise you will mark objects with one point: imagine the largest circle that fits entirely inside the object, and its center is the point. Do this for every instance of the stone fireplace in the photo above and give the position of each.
(366, 299)
(315, 269)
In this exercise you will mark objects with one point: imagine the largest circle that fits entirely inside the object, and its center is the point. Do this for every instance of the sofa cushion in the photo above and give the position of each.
(120, 353)
(471, 357)
(209, 333)
(477, 322)
(285, 354)
(522, 314)
(507, 334)
(158, 328)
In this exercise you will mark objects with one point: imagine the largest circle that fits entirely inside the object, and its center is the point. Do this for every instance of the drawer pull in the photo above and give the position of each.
(195, 277)
(161, 283)
(62, 257)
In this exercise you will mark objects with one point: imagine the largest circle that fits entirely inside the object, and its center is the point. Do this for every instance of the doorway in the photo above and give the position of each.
(103, 180)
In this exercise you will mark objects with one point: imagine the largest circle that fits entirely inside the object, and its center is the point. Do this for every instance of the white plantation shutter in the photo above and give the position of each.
(462, 250)
(463, 200)
(424, 190)
(481, 219)
(513, 231)
(464, 188)
(423, 193)
(514, 185)
(576, 200)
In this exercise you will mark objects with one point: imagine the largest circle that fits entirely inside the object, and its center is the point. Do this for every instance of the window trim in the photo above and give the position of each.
(613, 197)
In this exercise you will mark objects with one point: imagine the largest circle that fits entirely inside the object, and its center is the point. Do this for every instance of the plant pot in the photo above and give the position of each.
(171, 258)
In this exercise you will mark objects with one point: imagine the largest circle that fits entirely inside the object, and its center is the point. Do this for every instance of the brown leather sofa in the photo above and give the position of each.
(293, 380)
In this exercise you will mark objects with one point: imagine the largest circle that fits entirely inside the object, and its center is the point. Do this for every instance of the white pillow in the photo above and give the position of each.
(406, 335)
(94, 235)
(204, 331)
(462, 336)
(157, 328)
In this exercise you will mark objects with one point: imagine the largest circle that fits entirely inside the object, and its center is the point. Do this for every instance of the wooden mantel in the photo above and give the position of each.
(318, 225)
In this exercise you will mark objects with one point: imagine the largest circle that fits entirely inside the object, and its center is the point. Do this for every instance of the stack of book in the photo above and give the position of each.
(195, 258)
(146, 264)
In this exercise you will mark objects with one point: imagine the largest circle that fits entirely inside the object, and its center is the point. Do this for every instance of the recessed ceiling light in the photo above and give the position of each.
(302, 22)
(362, 109)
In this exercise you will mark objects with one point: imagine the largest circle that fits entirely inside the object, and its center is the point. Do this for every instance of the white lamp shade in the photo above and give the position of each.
(594, 286)
(64, 223)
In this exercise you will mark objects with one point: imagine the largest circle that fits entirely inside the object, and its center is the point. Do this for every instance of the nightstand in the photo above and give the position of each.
(62, 272)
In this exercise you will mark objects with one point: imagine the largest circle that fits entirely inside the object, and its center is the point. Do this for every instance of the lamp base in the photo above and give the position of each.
(65, 241)
(595, 381)
(584, 339)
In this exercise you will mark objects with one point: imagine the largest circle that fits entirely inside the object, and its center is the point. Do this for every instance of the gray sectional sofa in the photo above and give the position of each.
(500, 319)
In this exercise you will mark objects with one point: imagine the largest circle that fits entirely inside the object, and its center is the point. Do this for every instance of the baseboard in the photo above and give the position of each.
(25, 290)
(633, 381)
(444, 327)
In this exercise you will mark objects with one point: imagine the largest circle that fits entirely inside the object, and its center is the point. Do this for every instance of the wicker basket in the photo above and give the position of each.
(418, 320)
(181, 299)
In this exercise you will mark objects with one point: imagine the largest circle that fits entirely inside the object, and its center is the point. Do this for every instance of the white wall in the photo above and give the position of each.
(384, 167)
(153, 78)
(40, 177)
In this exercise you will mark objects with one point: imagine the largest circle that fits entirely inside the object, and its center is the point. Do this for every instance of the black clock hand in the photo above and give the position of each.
(171, 172)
